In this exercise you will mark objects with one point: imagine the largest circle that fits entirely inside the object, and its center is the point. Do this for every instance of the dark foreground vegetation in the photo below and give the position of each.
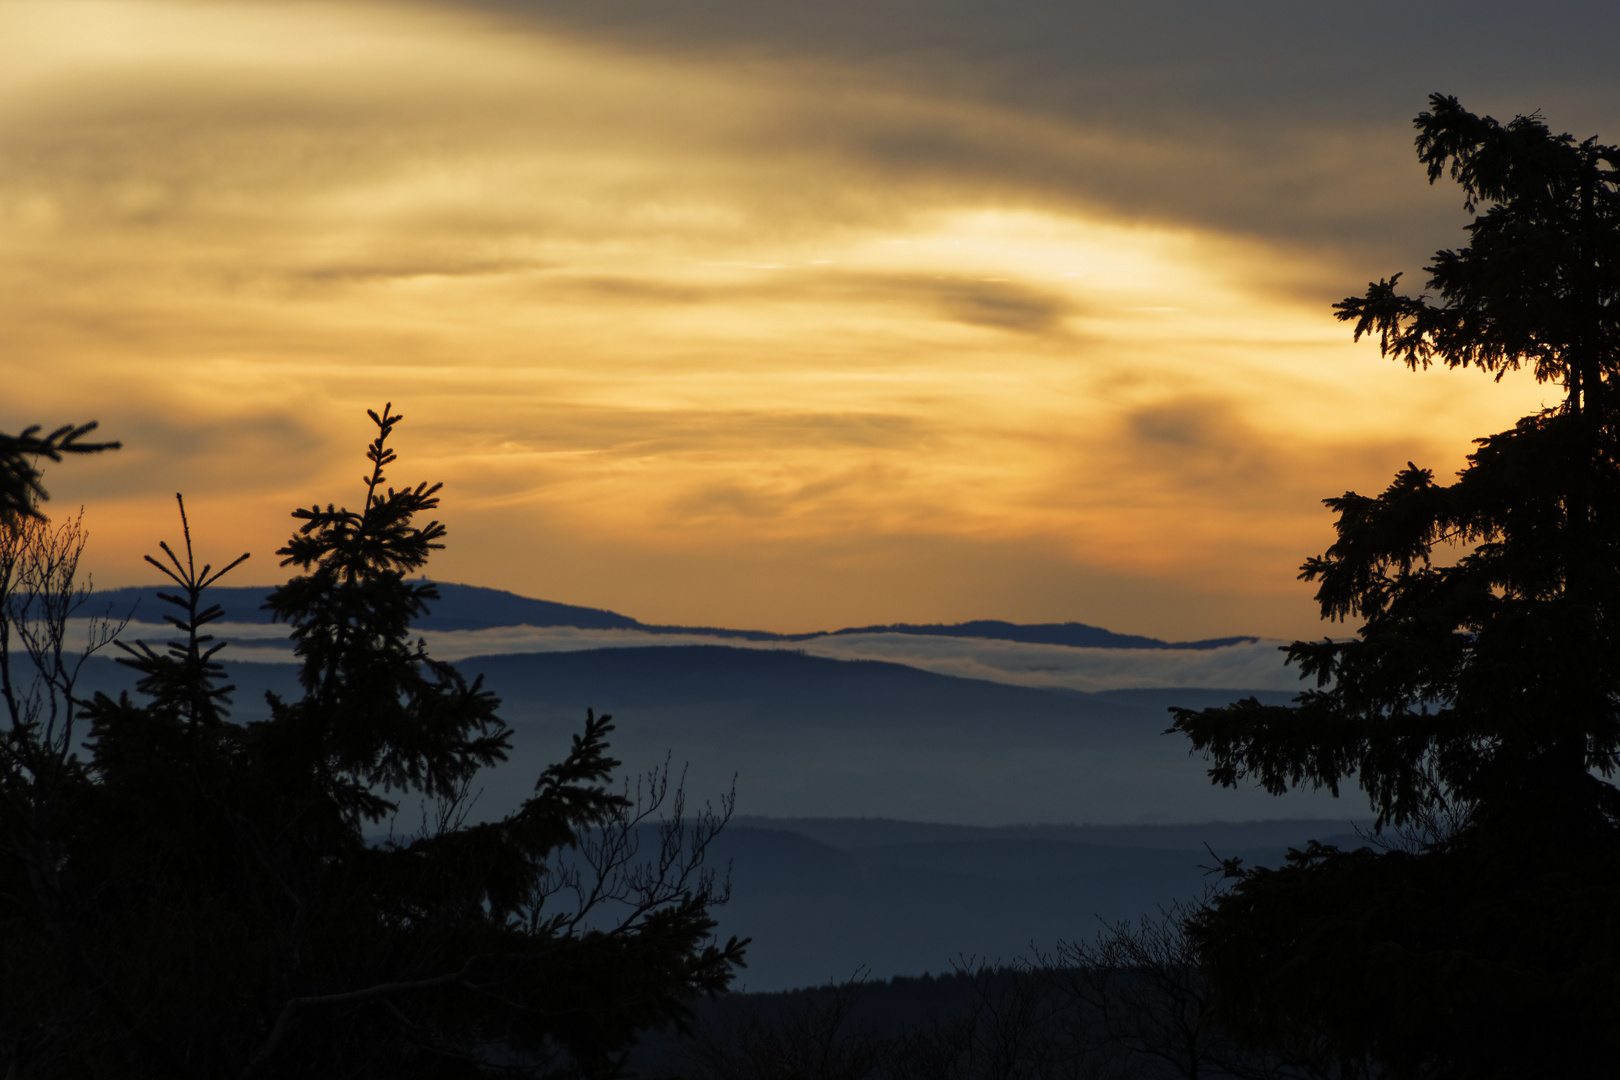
(1129, 1002)
(1479, 703)
(186, 896)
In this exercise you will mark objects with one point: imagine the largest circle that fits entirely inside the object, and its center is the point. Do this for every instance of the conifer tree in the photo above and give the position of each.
(21, 490)
(1478, 705)
(205, 899)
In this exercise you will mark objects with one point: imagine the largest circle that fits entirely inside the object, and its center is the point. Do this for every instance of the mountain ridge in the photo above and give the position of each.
(475, 607)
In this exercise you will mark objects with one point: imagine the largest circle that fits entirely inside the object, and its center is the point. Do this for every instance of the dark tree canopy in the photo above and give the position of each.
(1478, 705)
(199, 897)
(1537, 283)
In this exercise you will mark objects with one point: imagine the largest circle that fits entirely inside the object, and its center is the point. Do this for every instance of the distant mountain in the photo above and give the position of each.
(1070, 633)
(471, 607)
(1224, 837)
(459, 607)
(809, 736)
(842, 764)
(823, 898)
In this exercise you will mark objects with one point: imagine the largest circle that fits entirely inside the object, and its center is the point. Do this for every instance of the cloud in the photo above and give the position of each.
(994, 303)
(760, 500)
(1270, 118)
(1253, 666)
(1256, 666)
(1197, 440)
(772, 312)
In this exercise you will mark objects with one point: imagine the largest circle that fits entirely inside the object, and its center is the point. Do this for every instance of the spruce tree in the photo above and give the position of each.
(1478, 705)
(21, 489)
(212, 898)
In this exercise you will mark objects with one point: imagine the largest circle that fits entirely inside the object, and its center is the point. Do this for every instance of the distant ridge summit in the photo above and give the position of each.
(472, 607)
(459, 607)
(1070, 633)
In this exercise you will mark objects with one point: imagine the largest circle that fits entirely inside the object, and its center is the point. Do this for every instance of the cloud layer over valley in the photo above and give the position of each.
(1250, 666)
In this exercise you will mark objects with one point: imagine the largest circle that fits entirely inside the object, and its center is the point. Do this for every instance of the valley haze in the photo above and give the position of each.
(873, 723)
(906, 795)
(470, 621)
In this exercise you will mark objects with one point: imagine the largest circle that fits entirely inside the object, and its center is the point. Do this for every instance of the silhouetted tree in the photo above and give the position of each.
(1017, 1024)
(197, 897)
(41, 1012)
(20, 488)
(805, 1035)
(1140, 1002)
(980, 1023)
(1482, 690)
(1131, 1002)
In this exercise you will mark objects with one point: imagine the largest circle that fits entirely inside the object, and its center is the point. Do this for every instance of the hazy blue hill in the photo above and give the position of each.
(1008, 858)
(843, 765)
(851, 760)
(780, 862)
(862, 834)
(819, 912)
(812, 737)
(807, 736)
(794, 686)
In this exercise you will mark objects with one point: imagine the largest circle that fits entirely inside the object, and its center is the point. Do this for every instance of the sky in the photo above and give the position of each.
(757, 313)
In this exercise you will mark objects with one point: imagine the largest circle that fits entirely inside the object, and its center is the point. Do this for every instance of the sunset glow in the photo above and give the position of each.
(718, 339)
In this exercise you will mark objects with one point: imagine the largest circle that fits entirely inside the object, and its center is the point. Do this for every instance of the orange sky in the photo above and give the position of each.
(745, 332)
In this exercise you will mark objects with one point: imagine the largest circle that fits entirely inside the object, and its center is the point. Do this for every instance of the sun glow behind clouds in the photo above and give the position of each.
(714, 342)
